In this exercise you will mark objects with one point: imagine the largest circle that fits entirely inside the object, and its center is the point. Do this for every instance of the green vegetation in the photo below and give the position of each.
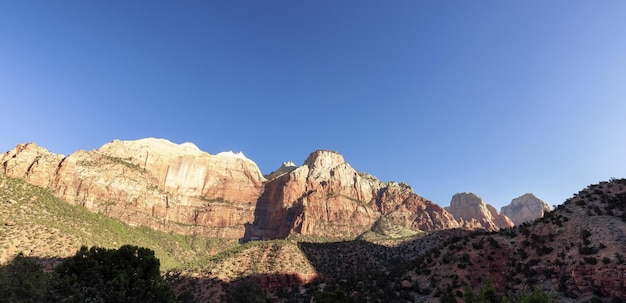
(489, 294)
(128, 274)
(47, 226)
(22, 281)
(107, 159)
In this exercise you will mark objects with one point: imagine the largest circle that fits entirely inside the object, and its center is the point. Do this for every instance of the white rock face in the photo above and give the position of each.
(525, 208)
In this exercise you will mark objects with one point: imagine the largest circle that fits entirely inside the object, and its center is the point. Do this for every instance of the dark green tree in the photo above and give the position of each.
(489, 294)
(246, 291)
(537, 296)
(23, 281)
(128, 274)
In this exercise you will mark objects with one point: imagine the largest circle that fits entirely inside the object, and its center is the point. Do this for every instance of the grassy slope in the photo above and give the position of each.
(34, 222)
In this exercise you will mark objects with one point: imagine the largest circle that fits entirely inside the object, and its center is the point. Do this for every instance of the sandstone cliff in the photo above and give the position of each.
(150, 182)
(327, 197)
(525, 208)
(473, 212)
(179, 188)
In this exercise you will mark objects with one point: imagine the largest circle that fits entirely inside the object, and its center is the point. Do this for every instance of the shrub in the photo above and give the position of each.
(591, 260)
(537, 296)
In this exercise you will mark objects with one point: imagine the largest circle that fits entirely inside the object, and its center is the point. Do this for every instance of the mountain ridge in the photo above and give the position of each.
(574, 252)
(179, 188)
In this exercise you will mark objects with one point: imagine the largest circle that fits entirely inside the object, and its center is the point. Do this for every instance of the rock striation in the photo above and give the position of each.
(525, 208)
(472, 212)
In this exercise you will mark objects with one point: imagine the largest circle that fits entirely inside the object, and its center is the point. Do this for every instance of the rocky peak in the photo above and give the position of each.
(324, 160)
(525, 208)
(473, 212)
(327, 197)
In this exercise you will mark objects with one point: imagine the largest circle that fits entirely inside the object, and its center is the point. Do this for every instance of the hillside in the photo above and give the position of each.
(574, 253)
(36, 223)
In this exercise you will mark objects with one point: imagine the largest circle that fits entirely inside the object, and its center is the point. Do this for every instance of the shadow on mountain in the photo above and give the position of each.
(343, 259)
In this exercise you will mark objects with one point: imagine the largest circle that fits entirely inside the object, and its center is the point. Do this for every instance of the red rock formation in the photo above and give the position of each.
(149, 182)
(179, 188)
(327, 197)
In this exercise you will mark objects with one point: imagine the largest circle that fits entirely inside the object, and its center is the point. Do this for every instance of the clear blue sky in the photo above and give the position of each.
(499, 98)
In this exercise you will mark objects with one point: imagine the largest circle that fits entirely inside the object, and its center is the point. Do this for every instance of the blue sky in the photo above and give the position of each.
(499, 98)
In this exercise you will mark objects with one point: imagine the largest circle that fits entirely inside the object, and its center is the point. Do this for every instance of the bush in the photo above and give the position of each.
(591, 260)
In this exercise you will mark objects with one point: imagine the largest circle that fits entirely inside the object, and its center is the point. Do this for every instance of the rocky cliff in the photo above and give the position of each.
(150, 182)
(525, 208)
(179, 188)
(473, 212)
(327, 197)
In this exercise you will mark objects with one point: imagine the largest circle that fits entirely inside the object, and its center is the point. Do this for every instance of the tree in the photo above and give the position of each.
(537, 296)
(23, 281)
(246, 291)
(489, 294)
(128, 274)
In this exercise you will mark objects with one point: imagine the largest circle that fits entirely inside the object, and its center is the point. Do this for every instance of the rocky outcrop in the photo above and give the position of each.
(473, 213)
(33, 163)
(525, 208)
(151, 182)
(327, 197)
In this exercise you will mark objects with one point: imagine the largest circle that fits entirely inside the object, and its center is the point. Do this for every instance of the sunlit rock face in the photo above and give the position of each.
(32, 163)
(472, 212)
(325, 196)
(151, 182)
(525, 208)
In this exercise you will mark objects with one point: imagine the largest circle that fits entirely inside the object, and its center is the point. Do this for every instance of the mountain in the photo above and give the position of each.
(575, 252)
(474, 213)
(149, 182)
(179, 188)
(525, 208)
(327, 197)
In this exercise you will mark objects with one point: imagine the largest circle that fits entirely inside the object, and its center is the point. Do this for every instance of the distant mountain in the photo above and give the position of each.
(474, 213)
(525, 208)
